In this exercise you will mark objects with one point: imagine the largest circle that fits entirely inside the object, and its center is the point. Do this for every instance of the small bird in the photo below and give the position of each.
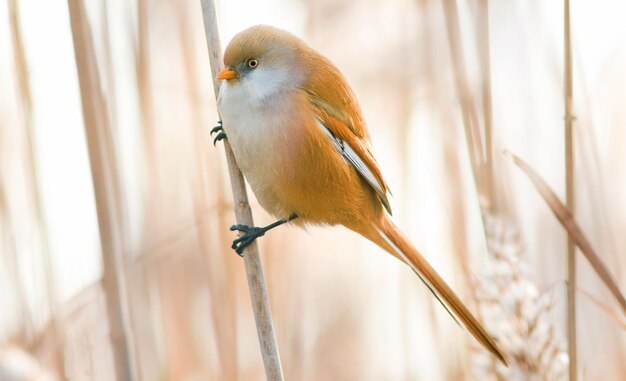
(299, 138)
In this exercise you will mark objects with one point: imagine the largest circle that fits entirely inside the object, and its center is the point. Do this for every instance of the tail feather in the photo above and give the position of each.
(398, 245)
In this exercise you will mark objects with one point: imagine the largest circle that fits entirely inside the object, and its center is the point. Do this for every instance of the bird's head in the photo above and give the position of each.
(264, 60)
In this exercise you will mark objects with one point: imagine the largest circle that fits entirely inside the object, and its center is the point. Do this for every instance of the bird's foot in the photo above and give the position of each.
(251, 233)
(219, 130)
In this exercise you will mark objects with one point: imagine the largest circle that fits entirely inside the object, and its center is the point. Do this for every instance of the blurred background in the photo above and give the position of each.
(115, 206)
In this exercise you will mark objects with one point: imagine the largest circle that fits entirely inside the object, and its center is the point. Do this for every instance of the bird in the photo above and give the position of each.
(299, 138)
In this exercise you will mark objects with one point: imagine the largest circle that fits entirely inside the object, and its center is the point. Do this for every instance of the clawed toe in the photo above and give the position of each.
(251, 233)
(220, 136)
(219, 130)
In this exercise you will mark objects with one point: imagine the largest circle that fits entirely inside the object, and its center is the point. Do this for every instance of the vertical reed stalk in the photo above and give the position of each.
(480, 157)
(473, 136)
(143, 70)
(243, 213)
(569, 197)
(468, 112)
(25, 102)
(106, 188)
(484, 54)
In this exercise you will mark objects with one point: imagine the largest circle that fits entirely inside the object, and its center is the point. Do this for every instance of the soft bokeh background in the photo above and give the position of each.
(121, 173)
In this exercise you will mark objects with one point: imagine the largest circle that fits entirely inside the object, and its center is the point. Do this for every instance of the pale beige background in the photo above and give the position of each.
(343, 310)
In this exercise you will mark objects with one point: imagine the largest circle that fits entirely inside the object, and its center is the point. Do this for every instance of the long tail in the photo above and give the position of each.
(398, 245)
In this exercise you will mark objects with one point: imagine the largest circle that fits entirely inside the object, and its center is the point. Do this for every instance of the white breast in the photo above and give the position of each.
(255, 123)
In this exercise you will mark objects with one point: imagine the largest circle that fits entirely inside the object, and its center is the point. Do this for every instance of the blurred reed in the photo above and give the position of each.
(109, 206)
(484, 55)
(473, 134)
(570, 197)
(54, 356)
(479, 151)
(566, 218)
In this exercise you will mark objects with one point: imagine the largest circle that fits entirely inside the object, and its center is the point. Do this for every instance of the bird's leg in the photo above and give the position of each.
(219, 131)
(253, 232)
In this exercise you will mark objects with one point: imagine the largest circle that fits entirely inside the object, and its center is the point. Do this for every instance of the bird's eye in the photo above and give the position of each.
(253, 63)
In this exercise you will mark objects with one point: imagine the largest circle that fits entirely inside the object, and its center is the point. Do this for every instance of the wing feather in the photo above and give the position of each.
(369, 171)
(340, 118)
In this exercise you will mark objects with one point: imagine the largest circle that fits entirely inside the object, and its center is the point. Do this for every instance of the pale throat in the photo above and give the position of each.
(256, 113)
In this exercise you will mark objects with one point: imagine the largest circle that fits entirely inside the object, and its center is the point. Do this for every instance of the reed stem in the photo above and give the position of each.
(484, 54)
(569, 200)
(105, 177)
(243, 213)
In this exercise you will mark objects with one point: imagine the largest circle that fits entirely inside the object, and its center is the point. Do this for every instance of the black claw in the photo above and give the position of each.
(219, 137)
(217, 128)
(251, 233)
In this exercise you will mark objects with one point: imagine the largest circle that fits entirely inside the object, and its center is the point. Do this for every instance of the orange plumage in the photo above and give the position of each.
(299, 137)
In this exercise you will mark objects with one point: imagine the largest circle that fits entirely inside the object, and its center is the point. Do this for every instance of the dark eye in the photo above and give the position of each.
(253, 63)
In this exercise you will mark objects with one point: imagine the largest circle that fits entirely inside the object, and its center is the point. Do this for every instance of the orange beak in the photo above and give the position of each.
(227, 73)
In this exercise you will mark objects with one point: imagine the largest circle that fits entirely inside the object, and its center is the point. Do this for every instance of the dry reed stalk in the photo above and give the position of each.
(480, 157)
(570, 197)
(138, 283)
(24, 99)
(6, 220)
(522, 316)
(480, 161)
(143, 73)
(484, 55)
(567, 220)
(473, 145)
(106, 189)
(220, 288)
(473, 136)
(243, 213)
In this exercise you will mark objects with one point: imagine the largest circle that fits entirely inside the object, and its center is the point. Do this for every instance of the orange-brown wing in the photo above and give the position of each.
(330, 93)
(340, 118)
(355, 151)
